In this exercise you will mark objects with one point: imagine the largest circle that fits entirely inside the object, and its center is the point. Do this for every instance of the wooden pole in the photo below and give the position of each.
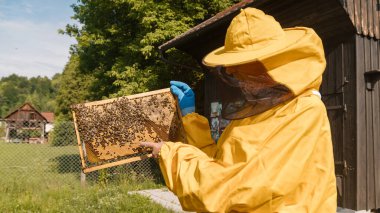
(79, 142)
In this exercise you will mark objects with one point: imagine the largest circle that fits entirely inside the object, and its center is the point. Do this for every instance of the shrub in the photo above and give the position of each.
(63, 134)
(28, 133)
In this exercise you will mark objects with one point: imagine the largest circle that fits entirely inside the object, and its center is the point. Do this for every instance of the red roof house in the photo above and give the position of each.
(27, 124)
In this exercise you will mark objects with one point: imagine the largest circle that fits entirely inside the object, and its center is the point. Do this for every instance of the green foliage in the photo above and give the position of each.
(73, 87)
(63, 134)
(25, 134)
(117, 51)
(104, 177)
(116, 54)
(16, 90)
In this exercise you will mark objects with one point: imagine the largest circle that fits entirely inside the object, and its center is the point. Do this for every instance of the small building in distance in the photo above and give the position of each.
(28, 125)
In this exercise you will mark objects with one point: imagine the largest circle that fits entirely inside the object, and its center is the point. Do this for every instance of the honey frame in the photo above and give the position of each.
(86, 168)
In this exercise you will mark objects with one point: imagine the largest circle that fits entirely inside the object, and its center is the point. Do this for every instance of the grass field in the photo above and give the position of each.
(41, 178)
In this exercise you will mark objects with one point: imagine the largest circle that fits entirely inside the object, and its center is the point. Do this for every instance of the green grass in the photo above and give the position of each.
(41, 178)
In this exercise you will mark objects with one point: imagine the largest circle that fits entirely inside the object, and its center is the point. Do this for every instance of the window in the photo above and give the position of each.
(32, 116)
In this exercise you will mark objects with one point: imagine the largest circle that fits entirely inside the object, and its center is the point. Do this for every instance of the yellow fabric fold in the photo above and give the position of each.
(198, 133)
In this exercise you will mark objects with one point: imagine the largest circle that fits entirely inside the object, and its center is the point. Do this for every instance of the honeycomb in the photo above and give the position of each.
(114, 128)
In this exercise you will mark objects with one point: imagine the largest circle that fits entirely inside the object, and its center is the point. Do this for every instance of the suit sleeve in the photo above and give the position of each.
(198, 133)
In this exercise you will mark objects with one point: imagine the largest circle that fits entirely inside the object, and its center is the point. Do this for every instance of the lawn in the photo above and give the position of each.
(41, 178)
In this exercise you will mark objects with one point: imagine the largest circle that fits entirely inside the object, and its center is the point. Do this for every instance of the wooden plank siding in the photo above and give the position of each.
(369, 133)
(361, 128)
(370, 18)
(375, 96)
(332, 97)
(368, 126)
(376, 18)
(376, 130)
(338, 89)
(365, 15)
(349, 124)
(356, 131)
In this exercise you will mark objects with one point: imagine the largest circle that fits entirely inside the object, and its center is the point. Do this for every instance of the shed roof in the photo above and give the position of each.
(24, 107)
(327, 17)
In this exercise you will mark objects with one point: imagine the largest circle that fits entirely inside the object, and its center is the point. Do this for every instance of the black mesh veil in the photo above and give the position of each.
(250, 96)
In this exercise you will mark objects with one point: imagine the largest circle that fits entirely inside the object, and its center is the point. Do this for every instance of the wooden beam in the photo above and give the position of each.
(130, 97)
(117, 163)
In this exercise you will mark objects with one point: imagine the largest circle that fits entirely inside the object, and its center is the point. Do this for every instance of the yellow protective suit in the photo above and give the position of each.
(278, 161)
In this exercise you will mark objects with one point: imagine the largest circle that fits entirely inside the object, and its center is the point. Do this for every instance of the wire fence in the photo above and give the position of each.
(40, 149)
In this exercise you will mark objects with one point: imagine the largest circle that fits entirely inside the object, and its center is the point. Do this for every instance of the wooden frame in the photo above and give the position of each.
(171, 115)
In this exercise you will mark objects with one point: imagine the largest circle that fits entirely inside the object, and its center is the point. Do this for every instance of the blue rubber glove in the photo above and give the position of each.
(185, 95)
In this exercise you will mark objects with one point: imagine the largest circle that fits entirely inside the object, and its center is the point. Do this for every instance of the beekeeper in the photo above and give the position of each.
(276, 154)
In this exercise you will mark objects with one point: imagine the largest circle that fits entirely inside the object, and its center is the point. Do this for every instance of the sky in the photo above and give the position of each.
(30, 44)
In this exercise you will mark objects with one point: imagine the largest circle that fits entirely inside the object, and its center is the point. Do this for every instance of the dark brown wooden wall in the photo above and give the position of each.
(368, 125)
(338, 94)
(354, 113)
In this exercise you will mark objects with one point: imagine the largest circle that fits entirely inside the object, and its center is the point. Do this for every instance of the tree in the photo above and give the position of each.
(16, 90)
(118, 40)
(73, 87)
(63, 134)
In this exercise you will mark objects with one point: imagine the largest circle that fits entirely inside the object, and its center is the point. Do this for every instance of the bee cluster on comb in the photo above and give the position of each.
(114, 128)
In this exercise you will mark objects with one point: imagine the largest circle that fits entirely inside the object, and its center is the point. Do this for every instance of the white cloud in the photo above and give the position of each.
(29, 49)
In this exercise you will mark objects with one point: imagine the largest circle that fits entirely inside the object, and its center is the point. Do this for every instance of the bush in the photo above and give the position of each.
(28, 133)
(63, 134)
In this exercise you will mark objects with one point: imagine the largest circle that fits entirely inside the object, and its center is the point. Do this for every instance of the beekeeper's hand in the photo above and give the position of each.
(186, 97)
(156, 147)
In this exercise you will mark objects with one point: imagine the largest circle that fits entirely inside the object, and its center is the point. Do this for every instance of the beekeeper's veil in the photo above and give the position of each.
(260, 62)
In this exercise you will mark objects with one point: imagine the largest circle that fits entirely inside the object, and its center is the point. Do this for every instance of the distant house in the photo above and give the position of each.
(28, 125)
(50, 121)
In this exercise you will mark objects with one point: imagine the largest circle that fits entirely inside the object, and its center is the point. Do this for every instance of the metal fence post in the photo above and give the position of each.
(82, 179)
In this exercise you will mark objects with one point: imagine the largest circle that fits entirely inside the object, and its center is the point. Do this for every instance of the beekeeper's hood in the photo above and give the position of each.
(291, 57)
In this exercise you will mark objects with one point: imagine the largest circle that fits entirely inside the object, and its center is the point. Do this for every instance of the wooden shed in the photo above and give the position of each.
(26, 124)
(351, 36)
